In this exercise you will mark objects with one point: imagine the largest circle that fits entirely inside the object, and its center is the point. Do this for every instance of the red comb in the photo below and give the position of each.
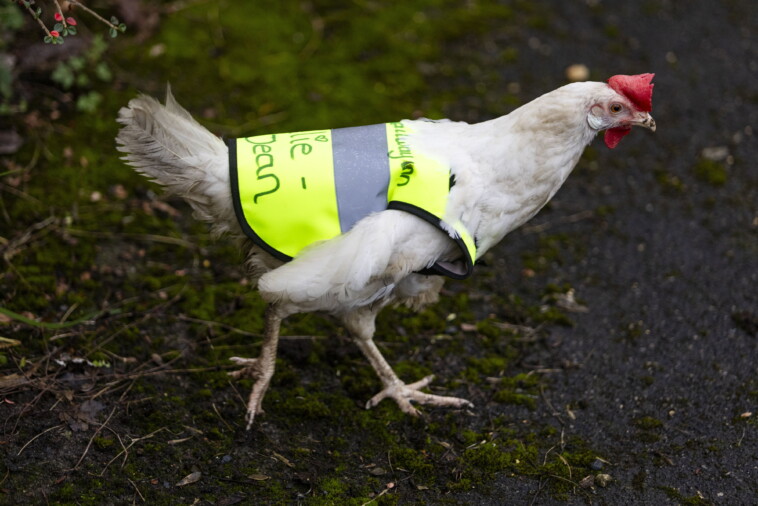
(637, 89)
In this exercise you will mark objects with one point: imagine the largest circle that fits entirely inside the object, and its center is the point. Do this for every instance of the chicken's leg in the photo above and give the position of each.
(360, 323)
(261, 368)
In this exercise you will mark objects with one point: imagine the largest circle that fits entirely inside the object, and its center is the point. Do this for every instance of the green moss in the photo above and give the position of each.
(103, 443)
(509, 54)
(648, 423)
(669, 181)
(521, 389)
(66, 491)
(711, 172)
(551, 314)
(638, 481)
(694, 500)
(469, 437)
(478, 368)
(307, 403)
(484, 460)
(416, 462)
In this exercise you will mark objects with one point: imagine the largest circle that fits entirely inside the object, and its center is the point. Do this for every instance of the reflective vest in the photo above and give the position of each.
(293, 189)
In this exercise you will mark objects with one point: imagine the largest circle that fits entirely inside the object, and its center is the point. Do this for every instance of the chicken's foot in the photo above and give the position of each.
(398, 391)
(403, 394)
(261, 368)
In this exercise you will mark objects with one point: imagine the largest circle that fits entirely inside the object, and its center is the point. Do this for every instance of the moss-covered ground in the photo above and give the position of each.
(612, 337)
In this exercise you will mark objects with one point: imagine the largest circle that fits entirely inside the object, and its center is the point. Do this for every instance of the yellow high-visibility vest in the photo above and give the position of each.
(293, 189)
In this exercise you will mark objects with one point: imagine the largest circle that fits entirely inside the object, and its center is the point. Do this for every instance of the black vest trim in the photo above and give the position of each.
(236, 201)
(437, 268)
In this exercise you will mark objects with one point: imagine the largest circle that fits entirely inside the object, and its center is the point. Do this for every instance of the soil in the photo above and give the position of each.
(609, 346)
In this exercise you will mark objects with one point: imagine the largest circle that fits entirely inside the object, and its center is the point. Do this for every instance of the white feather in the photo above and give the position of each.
(167, 144)
(359, 267)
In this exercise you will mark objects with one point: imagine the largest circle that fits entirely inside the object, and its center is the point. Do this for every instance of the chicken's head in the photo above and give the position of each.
(628, 105)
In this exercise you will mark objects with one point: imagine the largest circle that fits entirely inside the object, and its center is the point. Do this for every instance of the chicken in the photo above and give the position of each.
(496, 175)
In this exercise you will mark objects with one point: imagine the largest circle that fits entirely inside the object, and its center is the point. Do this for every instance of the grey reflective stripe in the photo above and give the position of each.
(361, 172)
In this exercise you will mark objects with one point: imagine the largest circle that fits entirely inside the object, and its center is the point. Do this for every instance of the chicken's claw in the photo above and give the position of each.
(252, 368)
(249, 369)
(403, 394)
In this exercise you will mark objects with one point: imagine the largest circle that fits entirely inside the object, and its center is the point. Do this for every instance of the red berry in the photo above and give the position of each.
(71, 21)
(58, 16)
(55, 33)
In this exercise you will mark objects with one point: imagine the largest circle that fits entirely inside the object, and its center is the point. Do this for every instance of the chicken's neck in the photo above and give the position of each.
(531, 153)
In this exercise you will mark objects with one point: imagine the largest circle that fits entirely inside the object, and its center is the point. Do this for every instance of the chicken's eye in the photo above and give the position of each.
(616, 108)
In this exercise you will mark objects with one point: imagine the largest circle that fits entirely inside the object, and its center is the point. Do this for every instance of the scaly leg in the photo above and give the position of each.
(261, 368)
(361, 325)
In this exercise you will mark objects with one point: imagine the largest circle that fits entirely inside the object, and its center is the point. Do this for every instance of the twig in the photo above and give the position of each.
(243, 402)
(540, 488)
(35, 437)
(121, 442)
(231, 429)
(565, 462)
(28, 7)
(388, 487)
(19, 193)
(126, 450)
(89, 444)
(95, 14)
(164, 239)
(553, 411)
(68, 312)
(559, 477)
(739, 442)
(60, 11)
(224, 326)
(137, 489)
(14, 246)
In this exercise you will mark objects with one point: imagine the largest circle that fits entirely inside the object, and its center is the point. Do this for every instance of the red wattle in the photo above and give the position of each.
(614, 135)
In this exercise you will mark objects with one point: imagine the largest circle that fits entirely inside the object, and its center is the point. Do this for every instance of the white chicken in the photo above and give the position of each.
(501, 173)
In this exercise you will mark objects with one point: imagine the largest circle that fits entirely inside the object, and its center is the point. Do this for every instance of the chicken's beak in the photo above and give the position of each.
(645, 120)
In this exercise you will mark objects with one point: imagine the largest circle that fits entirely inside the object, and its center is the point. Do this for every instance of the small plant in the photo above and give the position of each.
(82, 71)
(65, 26)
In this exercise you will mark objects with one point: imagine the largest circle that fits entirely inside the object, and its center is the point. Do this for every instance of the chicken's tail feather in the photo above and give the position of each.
(168, 145)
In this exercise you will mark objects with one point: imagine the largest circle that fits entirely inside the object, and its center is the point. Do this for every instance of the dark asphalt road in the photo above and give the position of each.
(670, 273)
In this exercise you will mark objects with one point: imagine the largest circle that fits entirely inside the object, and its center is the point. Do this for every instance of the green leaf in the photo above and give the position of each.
(114, 20)
(122, 27)
(7, 342)
(77, 62)
(45, 325)
(48, 39)
(103, 72)
(13, 19)
(58, 27)
(82, 80)
(72, 30)
(113, 32)
(89, 101)
(97, 47)
(63, 75)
